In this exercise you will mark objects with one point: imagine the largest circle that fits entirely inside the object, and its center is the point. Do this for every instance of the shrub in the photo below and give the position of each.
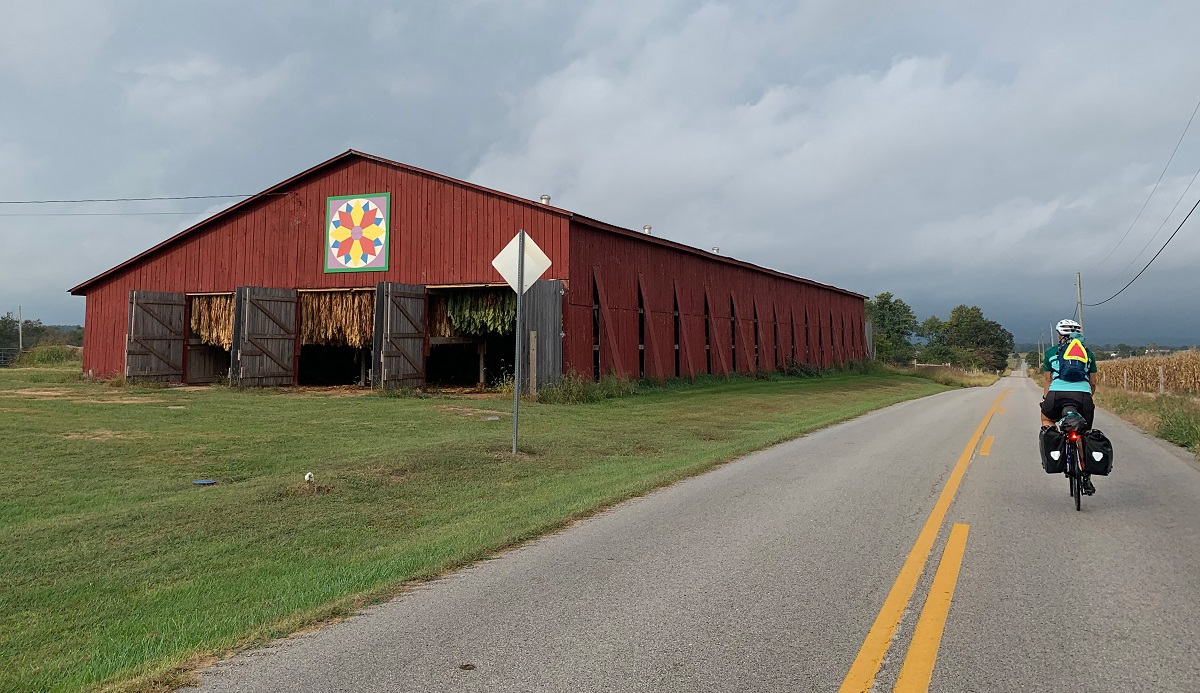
(49, 355)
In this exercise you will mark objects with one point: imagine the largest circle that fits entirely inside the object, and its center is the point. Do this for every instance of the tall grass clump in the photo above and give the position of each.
(575, 389)
(1179, 423)
(49, 355)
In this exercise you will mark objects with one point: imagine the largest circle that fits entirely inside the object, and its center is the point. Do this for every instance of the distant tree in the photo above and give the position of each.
(968, 338)
(893, 323)
(34, 333)
(8, 331)
(930, 330)
(1124, 350)
(1033, 360)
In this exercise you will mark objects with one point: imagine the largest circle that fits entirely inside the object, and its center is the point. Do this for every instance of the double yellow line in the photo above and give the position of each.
(918, 666)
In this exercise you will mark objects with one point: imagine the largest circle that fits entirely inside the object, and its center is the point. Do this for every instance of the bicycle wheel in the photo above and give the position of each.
(1076, 476)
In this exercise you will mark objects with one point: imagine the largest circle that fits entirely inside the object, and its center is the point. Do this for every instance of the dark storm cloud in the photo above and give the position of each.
(944, 154)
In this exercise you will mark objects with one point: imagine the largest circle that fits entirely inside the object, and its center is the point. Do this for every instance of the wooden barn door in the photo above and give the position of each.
(399, 351)
(543, 314)
(155, 340)
(264, 336)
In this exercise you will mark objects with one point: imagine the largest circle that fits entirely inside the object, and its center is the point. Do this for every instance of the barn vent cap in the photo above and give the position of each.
(646, 229)
(545, 199)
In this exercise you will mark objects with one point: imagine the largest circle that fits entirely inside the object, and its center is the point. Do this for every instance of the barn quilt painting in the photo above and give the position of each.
(357, 232)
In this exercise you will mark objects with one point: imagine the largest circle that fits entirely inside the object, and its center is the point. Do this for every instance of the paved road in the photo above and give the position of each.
(768, 575)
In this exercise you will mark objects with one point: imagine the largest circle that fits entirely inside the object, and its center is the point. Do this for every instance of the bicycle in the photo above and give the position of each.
(1072, 425)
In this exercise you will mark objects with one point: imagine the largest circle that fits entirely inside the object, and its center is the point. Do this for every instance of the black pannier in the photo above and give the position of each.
(1097, 453)
(1054, 450)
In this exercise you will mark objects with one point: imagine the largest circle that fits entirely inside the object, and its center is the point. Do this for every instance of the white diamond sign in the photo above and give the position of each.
(536, 262)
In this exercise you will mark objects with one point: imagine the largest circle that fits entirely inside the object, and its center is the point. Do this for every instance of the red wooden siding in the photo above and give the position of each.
(621, 265)
(446, 232)
(441, 233)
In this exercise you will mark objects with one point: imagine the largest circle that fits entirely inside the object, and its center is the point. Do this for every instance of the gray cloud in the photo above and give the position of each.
(944, 154)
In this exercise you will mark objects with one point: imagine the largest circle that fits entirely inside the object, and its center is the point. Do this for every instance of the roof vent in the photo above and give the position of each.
(716, 249)
(545, 199)
(646, 229)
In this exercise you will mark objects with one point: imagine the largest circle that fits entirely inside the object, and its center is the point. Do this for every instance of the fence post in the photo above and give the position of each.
(1162, 381)
(1126, 378)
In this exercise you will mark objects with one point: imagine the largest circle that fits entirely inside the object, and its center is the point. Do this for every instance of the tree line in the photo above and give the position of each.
(966, 338)
(34, 333)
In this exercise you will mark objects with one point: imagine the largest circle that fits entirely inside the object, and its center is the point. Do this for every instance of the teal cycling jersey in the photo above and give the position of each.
(1050, 365)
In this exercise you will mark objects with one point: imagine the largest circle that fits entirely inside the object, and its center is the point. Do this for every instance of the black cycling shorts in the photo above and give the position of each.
(1052, 405)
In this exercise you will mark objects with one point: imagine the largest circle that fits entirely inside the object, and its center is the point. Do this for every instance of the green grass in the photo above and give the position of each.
(1172, 418)
(118, 572)
(953, 376)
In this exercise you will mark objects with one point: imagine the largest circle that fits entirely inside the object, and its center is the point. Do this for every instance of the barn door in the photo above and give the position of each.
(399, 354)
(543, 315)
(264, 336)
(155, 340)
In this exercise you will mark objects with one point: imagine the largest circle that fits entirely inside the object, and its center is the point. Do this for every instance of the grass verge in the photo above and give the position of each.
(1172, 418)
(952, 377)
(118, 572)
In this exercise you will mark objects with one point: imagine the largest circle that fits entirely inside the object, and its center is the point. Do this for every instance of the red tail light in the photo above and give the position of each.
(1073, 436)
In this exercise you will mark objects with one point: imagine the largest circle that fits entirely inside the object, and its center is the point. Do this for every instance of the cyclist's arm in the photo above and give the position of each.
(1092, 382)
(1046, 387)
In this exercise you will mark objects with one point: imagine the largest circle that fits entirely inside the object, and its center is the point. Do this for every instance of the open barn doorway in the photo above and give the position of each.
(209, 338)
(470, 336)
(336, 330)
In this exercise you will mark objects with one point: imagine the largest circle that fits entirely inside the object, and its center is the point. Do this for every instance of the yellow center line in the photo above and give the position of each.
(922, 651)
(986, 448)
(866, 665)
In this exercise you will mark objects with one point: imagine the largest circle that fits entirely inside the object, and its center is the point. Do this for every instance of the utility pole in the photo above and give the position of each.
(20, 331)
(1079, 296)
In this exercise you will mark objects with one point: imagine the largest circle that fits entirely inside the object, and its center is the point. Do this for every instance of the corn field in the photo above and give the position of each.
(1181, 373)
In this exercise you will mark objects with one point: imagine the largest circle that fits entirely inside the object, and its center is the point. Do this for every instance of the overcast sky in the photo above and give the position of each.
(949, 152)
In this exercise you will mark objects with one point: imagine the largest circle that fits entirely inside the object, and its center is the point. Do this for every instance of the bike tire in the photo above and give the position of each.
(1077, 486)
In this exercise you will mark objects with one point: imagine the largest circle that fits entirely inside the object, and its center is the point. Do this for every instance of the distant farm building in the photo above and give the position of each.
(363, 269)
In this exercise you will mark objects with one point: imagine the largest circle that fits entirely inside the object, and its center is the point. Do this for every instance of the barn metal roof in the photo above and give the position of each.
(82, 288)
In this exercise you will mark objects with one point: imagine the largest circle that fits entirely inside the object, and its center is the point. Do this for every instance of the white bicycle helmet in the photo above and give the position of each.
(1066, 327)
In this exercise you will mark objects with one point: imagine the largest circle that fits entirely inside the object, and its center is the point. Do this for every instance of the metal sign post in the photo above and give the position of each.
(518, 330)
(521, 263)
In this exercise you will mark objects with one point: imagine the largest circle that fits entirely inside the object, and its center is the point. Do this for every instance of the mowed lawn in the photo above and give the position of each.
(115, 570)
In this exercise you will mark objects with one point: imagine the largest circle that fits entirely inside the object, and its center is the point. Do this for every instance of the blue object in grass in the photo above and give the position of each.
(204, 482)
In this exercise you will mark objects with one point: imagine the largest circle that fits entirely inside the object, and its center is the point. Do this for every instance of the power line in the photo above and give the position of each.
(1160, 226)
(98, 214)
(1131, 281)
(133, 199)
(1160, 177)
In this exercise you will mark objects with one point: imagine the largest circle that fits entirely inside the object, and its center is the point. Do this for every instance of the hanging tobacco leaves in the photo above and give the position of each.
(478, 312)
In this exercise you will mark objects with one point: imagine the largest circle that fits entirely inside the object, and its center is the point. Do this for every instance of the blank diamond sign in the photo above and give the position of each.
(536, 262)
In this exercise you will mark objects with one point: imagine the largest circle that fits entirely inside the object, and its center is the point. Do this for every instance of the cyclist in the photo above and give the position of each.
(1058, 392)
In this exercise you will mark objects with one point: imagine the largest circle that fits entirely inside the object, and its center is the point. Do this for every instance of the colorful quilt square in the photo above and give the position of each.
(357, 232)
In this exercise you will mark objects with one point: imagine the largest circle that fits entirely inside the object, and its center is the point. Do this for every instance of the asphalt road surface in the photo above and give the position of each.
(803, 568)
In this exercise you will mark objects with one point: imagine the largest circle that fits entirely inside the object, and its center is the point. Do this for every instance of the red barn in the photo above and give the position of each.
(364, 269)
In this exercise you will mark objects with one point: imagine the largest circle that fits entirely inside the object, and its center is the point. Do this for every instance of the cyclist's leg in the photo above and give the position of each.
(1087, 407)
(1051, 411)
